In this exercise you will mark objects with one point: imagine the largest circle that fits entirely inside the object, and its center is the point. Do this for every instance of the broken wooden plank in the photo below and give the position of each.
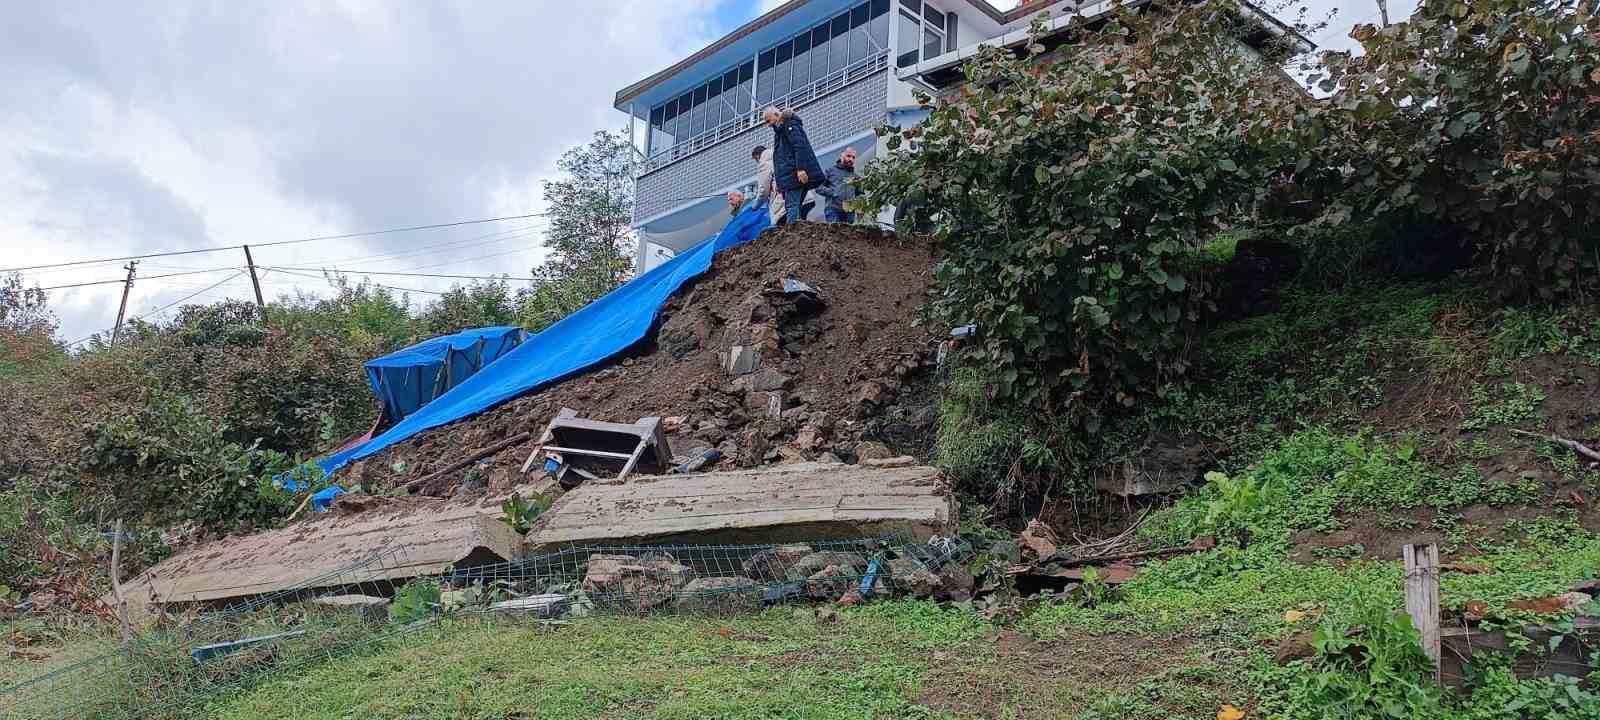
(423, 537)
(462, 464)
(791, 503)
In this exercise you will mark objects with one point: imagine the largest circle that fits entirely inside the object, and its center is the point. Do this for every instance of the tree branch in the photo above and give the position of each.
(1576, 446)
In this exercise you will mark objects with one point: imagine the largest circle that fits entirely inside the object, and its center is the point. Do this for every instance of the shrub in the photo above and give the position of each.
(170, 461)
(1478, 115)
(1071, 195)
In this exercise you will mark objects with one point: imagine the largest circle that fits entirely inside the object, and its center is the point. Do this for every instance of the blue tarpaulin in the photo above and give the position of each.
(582, 340)
(407, 379)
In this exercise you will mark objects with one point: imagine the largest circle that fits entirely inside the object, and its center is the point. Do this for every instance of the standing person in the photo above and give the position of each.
(766, 189)
(839, 190)
(794, 165)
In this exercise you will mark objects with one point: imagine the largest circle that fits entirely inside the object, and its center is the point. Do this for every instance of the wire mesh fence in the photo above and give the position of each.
(175, 670)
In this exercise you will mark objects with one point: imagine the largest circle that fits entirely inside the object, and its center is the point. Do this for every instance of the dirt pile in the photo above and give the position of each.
(799, 345)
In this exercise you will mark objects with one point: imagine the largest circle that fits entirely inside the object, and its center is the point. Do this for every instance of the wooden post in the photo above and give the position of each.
(122, 310)
(1383, 12)
(1422, 596)
(116, 582)
(251, 263)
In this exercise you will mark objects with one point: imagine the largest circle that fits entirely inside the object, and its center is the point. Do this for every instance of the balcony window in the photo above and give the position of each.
(910, 36)
(764, 78)
(839, 45)
(800, 66)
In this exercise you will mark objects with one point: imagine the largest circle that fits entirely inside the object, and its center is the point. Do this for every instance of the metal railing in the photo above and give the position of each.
(815, 90)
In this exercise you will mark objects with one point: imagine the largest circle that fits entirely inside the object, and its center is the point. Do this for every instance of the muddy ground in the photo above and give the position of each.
(850, 366)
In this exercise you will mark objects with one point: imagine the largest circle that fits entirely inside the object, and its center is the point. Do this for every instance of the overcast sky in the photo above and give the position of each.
(142, 127)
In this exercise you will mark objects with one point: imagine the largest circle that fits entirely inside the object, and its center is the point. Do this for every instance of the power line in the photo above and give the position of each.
(147, 277)
(386, 287)
(411, 274)
(345, 236)
(489, 239)
(163, 308)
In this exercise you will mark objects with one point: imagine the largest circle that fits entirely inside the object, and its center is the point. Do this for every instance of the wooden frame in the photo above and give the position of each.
(647, 430)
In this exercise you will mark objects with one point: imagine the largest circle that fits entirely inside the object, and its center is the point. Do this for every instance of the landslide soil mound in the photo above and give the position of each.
(848, 367)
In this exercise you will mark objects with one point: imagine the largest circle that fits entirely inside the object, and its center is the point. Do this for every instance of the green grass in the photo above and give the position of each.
(870, 663)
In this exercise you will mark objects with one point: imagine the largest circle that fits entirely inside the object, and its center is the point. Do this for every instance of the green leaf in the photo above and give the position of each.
(1114, 271)
(1177, 283)
(1041, 175)
(1227, 165)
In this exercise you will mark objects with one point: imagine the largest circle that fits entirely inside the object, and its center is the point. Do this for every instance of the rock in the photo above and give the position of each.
(680, 343)
(1008, 550)
(1592, 587)
(743, 360)
(1294, 647)
(873, 451)
(823, 421)
(1550, 605)
(911, 578)
(374, 609)
(871, 396)
(831, 582)
(830, 458)
(765, 338)
(827, 615)
(775, 405)
(753, 446)
(768, 380)
(796, 415)
(1039, 539)
(789, 454)
(807, 566)
(720, 594)
(644, 582)
(955, 583)
(894, 462)
(774, 563)
(809, 439)
(850, 599)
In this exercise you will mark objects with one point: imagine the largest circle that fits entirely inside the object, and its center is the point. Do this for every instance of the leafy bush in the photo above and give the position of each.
(1071, 195)
(1369, 664)
(171, 461)
(1479, 115)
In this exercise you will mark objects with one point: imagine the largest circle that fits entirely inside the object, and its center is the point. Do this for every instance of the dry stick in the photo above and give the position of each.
(116, 581)
(497, 448)
(303, 504)
(1576, 446)
(1074, 562)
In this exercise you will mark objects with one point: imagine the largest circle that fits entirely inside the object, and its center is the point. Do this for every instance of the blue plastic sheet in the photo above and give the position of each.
(582, 340)
(408, 379)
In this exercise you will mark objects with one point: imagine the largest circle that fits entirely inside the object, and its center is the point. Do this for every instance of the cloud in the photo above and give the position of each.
(111, 193)
(189, 123)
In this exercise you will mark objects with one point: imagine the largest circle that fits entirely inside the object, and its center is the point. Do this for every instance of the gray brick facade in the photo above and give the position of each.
(830, 119)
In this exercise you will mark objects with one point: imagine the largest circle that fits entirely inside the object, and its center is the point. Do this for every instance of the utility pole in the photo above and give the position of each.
(122, 310)
(1383, 12)
(261, 305)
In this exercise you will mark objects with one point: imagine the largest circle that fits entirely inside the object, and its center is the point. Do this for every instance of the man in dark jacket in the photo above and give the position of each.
(838, 189)
(794, 165)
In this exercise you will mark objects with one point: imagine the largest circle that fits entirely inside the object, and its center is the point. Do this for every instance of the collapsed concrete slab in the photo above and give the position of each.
(417, 537)
(777, 504)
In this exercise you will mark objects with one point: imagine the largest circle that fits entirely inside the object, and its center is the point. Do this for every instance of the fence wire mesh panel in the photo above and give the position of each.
(173, 668)
(186, 662)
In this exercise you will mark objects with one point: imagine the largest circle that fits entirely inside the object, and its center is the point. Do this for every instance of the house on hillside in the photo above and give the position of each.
(847, 66)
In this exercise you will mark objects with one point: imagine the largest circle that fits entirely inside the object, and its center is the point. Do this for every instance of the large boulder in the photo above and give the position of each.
(811, 564)
(720, 595)
(909, 577)
(644, 582)
(774, 563)
(832, 582)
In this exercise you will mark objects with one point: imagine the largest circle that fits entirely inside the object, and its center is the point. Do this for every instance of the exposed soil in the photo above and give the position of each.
(839, 361)
(1431, 407)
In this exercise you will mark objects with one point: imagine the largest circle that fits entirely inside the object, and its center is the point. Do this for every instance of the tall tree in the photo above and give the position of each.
(591, 230)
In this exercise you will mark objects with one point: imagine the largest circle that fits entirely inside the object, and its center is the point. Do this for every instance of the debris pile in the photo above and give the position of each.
(801, 345)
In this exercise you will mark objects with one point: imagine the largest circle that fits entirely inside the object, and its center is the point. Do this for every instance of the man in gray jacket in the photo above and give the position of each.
(839, 190)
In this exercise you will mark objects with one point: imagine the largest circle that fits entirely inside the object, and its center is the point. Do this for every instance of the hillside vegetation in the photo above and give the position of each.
(1343, 325)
